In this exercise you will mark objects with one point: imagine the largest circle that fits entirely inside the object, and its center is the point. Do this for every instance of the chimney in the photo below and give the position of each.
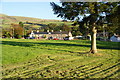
(47, 30)
(52, 31)
(37, 31)
(60, 30)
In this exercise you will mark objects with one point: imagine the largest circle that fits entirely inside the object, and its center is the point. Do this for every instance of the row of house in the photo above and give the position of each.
(62, 34)
(50, 35)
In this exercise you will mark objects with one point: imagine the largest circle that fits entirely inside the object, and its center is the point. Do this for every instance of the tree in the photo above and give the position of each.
(64, 27)
(114, 19)
(6, 32)
(18, 31)
(75, 31)
(85, 14)
(22, 25)
(52, 26)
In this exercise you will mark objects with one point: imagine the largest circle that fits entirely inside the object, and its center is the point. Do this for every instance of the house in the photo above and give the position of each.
(115, 38)
(49, 35)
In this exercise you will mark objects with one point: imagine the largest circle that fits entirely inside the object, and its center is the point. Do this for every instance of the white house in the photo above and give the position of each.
(115, 38)
(47, 35)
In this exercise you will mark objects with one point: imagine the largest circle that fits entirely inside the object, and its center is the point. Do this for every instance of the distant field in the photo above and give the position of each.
(59, 59)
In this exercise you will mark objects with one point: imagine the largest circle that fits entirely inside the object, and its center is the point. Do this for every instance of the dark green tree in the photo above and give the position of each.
(114, 21)
(6, 32)
(21, 24)
(85, 14)
(52, 26)
(75, 31)
(64, 27)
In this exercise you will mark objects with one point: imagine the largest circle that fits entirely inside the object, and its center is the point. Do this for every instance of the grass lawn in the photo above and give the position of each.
(59, 59)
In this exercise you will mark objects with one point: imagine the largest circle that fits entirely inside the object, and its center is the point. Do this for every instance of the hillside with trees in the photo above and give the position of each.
(11, 24)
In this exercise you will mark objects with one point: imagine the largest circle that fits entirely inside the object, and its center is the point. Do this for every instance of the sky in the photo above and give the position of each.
(29, 8)
(36, 9)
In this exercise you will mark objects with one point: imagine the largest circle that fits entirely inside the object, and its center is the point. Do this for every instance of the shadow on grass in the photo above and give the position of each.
(13, 43)
(28, 44)
(100, 45)
(63, 44)
(108, 45)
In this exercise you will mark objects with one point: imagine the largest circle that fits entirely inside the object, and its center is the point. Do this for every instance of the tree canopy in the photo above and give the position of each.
(88, 15)
(85, 12)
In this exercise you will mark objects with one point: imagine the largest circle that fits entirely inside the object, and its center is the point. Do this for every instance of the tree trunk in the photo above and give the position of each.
(93, 41)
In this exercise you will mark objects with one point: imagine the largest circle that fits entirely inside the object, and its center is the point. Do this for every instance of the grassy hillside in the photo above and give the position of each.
(59, 59)
(7, 20)
(30, 19)
(15, 19)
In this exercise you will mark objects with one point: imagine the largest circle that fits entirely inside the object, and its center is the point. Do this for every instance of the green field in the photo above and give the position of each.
(59, 59)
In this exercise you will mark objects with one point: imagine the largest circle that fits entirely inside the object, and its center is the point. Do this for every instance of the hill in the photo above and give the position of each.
(15, 19)
(7, 20)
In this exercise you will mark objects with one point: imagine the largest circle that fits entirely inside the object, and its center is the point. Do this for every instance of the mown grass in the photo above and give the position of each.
(59, 59)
